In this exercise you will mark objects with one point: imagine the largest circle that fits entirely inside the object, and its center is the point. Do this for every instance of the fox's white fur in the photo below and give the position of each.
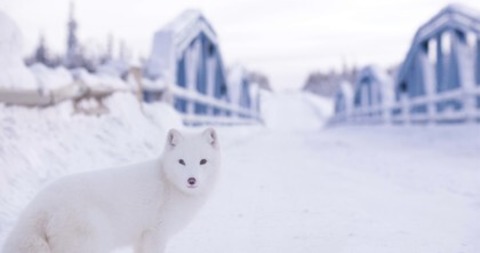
(140, 205)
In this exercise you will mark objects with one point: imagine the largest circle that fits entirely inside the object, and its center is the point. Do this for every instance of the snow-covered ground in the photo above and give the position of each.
(295, 111)
(292, 186)
(345, 189)
(372, 189)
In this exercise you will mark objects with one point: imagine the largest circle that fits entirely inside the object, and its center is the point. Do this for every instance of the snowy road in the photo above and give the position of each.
(356, 189)
(343, 190)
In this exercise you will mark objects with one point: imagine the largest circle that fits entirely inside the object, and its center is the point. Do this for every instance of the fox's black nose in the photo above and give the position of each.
(192, 181)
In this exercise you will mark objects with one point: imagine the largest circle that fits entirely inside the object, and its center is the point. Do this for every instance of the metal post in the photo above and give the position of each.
(136, 72)
(466, 73)
(440, 65)
(477, 61)
(428, 80)
(457, 38)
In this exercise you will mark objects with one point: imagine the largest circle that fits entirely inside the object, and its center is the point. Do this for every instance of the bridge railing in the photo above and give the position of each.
(468, 102)
(217, 111)
(371, 114)
(403, 112)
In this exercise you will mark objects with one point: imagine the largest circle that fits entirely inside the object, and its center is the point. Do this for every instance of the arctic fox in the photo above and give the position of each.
(140, 205)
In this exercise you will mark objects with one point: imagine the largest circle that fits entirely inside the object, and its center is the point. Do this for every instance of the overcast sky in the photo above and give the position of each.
(284, 39)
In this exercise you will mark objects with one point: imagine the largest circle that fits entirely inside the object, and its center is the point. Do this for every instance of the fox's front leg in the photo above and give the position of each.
(151, 241)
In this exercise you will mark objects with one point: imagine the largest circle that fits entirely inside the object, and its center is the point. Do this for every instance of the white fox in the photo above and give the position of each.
(140, 205)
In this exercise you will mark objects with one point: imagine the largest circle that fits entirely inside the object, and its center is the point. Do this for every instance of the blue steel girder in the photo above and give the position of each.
(451, 18)
(364, 90)
(186, 53)
(477, 62)
(207, 49)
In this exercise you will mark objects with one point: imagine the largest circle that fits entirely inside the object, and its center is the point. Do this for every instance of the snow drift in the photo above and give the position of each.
(40, 145)
(14, 74)
(50, 79)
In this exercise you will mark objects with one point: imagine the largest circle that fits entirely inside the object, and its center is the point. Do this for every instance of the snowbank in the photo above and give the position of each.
(113, 68)
(101, 81)
(147, 84)
(40, 145)
(50, 79)
(14, 74)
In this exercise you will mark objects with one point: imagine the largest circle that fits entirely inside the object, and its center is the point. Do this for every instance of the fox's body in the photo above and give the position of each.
(140, 205)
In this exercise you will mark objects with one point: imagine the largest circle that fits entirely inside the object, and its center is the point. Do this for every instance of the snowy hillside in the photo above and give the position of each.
(40, 145)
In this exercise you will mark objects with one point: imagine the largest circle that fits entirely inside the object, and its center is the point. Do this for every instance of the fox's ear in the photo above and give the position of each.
(173, 137)
(211, 136)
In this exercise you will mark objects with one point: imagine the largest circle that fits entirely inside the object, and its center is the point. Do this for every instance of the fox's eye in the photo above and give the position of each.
(181, 161)
(203, 161)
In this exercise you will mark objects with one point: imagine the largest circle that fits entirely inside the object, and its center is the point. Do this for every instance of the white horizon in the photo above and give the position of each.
(284, 40)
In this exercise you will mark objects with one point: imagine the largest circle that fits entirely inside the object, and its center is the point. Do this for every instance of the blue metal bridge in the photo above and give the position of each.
(439, 80)
(187, 57)
(440, 76)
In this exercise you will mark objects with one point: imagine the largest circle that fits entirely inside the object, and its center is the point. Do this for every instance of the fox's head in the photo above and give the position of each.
(191, 161)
